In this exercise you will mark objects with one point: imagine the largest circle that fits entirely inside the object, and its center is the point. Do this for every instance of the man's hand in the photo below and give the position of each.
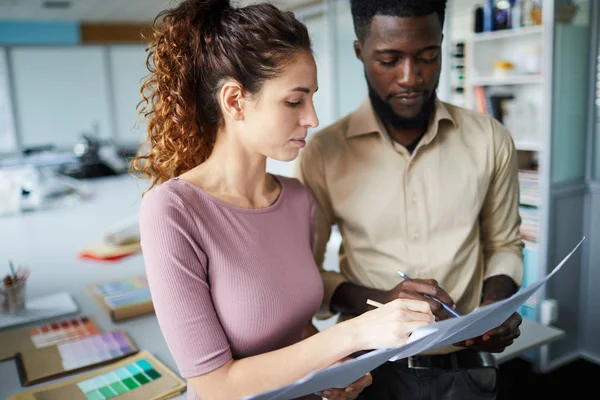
(417, 289)
(350, 392)
(497, 339)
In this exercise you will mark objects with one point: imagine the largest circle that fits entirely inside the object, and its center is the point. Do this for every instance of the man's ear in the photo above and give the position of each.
(231, 98)
(358, 50)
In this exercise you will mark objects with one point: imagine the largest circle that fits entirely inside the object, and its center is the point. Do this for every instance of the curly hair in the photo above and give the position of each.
(193, 49)
(363, 11)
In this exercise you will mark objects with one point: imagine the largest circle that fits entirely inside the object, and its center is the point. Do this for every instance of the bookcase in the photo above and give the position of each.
(535, 80)
(505, 78)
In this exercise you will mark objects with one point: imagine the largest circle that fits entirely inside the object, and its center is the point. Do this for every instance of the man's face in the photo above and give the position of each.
(402, 60)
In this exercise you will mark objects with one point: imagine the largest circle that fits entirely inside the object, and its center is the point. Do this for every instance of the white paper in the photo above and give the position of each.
(427, 338)
(40, 309)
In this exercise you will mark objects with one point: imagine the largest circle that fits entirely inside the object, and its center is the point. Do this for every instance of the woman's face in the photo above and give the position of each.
(277, 120)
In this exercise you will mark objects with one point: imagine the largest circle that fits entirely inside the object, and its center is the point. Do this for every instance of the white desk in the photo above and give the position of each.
(533, 335)
(49, 241)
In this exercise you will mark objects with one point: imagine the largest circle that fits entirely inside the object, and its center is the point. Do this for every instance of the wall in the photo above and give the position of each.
(8, 139)
(59, 80)
(591, 279)
(14, 33)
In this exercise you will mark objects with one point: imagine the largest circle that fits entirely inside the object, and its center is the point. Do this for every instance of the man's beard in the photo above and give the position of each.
(387, 115)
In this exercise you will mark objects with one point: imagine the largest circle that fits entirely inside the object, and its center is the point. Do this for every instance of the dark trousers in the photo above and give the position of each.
(398, 381)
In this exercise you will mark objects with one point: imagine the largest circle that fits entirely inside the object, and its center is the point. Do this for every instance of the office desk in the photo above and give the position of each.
(48, 242)
(533, 335)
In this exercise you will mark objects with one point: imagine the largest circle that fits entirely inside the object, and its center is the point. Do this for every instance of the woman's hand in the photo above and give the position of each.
(390, 325)
(350, 392)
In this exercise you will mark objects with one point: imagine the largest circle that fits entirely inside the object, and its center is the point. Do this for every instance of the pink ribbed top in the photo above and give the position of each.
(228, 282)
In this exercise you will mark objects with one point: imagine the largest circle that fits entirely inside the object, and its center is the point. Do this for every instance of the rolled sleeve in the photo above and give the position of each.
(500, 220)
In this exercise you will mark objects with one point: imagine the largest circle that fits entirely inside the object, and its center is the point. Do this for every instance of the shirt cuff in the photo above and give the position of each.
(331, 281)
(505, 263)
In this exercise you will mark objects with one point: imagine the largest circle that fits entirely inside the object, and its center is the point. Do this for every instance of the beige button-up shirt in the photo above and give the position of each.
(449, 211)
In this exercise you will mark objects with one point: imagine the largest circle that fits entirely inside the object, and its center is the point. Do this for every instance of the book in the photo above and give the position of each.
(123, 299)
(40, 365)
(141, 376)
(110, 252)
(19, 340)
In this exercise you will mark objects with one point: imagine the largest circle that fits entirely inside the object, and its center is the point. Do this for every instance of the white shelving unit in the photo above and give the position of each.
(548, 121)
(524, 49)
(507, 81)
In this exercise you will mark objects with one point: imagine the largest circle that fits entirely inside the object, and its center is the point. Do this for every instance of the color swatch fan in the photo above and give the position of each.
(124, 299)
(39, 365)
(53, 333)
(141, 376)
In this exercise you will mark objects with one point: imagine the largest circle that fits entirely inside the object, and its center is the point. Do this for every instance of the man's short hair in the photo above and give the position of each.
(363, 12)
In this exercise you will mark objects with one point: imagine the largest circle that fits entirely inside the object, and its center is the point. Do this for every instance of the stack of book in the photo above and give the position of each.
(529, 183)
(529, 203)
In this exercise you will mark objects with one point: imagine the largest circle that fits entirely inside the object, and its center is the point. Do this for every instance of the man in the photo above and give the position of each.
(422, 187)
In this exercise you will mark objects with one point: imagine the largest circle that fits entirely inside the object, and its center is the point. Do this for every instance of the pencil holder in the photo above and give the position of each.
(12, 298)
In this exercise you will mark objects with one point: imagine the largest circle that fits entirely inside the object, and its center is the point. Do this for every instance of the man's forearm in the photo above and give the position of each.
(498, 288)
(351, 299)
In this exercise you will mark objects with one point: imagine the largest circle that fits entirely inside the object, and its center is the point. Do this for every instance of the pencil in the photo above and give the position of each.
(12, 270)
(373, 303)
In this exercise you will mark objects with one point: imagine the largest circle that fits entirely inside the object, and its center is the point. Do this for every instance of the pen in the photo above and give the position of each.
(446, 307)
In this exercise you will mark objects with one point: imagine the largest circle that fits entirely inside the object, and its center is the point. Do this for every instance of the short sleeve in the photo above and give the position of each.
(176, 267)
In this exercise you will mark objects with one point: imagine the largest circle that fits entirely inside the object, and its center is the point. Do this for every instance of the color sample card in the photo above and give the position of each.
(127, 299)
(62, 331)
(119, 381)
(124, 293)
(93, 350)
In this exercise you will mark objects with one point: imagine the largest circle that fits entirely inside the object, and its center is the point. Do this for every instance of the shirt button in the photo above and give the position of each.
(414, 199)
(416, 235)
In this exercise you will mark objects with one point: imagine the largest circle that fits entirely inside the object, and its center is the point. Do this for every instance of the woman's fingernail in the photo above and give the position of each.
(327, 393)
(349, 389)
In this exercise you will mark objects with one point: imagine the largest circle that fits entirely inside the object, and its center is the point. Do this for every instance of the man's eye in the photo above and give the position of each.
(429, 58)
(387, 63)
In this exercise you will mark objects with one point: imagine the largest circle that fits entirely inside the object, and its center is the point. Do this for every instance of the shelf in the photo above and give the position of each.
(508, 80)
(507, 33)
(529, 245)
(529, 201)
(527, 145)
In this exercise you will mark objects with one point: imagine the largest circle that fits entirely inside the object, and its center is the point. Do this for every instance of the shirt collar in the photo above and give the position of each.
(364, 121)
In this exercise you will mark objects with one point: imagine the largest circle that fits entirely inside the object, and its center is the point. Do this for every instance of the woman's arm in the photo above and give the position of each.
(387, 326)
(309, 330)
(268, 371)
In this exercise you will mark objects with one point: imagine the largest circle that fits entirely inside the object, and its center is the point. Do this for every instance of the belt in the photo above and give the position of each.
(462, 359)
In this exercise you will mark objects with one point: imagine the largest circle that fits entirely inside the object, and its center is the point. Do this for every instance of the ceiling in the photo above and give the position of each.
(102, 10)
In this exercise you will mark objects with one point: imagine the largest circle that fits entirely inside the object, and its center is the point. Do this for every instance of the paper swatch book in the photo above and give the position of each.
(124, 299)
(48, 334)
(39, 365)
(141, 376)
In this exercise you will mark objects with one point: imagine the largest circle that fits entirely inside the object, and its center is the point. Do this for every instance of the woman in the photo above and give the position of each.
(227, 246)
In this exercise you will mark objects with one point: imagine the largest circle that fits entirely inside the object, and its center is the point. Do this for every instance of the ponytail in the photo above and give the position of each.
(194, 47)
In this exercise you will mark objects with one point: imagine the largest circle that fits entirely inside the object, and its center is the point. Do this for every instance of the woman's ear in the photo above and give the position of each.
(231, 98)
